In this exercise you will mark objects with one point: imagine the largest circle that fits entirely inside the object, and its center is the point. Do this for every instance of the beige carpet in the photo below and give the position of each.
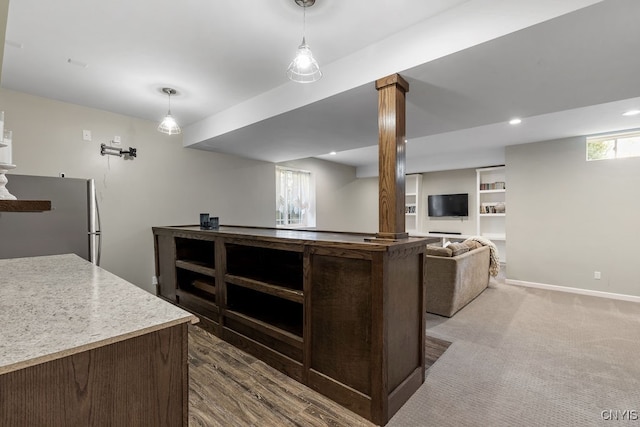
(530, 357)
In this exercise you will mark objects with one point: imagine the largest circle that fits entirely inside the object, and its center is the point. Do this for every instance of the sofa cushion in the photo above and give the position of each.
(472, 244)
(438, 251)
(458, 248)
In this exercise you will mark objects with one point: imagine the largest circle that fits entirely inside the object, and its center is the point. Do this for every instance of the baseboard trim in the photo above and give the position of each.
(589, 292)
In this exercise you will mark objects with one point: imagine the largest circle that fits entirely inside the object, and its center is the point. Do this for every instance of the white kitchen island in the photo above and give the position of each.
(81, 346)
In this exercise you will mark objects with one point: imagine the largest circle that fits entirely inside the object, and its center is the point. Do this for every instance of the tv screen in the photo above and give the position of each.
(448, 205)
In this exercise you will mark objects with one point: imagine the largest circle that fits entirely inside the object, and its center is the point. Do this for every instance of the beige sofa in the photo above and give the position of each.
(453, 281)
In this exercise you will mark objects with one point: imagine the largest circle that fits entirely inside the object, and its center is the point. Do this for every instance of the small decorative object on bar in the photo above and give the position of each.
(209, 223)
(205, 223)
(304, 68)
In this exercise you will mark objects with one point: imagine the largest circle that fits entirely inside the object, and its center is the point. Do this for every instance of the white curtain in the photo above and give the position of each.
(292, 196)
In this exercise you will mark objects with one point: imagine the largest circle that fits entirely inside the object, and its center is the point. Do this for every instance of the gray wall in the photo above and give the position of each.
(450, 182)
(569, 217)
(166, 184)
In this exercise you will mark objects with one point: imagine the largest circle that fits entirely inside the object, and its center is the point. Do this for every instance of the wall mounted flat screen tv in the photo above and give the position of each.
(448, 204)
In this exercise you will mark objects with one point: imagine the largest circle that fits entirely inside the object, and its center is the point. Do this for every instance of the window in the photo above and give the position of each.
(613, 146)
(295, 198)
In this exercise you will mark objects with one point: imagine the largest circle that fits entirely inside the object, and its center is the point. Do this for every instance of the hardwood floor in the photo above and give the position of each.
(228, 387)
(434, 348)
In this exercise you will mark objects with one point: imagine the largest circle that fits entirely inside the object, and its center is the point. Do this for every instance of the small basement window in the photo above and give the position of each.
(613, 146)
(295, 198)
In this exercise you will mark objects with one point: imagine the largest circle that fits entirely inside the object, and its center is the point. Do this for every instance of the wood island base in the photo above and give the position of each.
(341, 315)
(141, 381)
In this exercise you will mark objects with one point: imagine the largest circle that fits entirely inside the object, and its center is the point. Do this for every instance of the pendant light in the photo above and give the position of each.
(168, 124)
(304, 68)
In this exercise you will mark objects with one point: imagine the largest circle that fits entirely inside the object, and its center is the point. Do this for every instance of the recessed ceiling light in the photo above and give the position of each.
(333, 153)
(631, 113)
(515, 121)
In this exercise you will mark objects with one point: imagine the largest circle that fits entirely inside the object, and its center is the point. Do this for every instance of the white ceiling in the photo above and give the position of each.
(567, 68)
(214, 53)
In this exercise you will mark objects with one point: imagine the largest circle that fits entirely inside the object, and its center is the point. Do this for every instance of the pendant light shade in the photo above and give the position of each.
(169, 124)
(304, 68)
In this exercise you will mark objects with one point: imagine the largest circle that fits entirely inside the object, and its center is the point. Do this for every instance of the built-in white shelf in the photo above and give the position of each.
(492, 225)
(413, 185)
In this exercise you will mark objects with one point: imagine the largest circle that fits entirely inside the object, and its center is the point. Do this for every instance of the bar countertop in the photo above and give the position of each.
(310, 237)
(55, 306)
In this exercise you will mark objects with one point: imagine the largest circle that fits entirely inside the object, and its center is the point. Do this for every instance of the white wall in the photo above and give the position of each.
(450, 182)
(165, 185)
(344, 202)
(569, 217)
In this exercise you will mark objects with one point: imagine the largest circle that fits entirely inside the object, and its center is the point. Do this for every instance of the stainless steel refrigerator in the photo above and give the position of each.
(72, 225)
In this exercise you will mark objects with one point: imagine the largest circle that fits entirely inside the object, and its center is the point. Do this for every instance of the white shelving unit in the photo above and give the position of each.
(492, 208)
(413, 207)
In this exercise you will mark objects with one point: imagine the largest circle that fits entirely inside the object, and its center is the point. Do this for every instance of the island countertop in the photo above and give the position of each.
(55, 306)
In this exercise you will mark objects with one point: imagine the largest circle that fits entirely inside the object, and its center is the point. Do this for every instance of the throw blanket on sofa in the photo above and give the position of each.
(494, 261)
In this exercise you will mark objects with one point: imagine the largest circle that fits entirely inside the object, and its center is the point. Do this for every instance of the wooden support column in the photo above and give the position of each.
(391, 153)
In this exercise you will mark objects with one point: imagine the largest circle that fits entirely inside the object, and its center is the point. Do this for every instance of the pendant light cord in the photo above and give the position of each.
(304, 24)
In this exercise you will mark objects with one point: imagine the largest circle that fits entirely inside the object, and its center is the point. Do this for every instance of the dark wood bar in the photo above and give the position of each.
(340, 314)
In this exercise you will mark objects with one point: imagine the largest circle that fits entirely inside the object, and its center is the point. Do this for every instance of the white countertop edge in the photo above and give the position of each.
(93, 345)
(87, 299)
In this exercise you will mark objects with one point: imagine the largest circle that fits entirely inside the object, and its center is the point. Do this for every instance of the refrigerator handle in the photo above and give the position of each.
(98, 229)
(95, 226)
